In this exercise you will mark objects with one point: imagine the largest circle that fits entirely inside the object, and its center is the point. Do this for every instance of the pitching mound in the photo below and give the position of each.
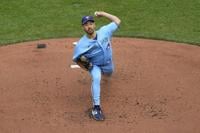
(155, 89)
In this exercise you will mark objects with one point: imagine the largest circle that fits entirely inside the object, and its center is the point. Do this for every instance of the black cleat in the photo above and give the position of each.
(97, 114)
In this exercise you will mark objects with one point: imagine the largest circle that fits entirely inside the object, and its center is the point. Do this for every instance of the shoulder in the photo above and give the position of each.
(82, 39)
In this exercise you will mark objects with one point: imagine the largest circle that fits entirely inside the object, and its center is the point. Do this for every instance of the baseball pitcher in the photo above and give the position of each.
(93, 53)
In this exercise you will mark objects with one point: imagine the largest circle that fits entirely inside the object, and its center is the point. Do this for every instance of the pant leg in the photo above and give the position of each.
(95, 87)
(108, 68)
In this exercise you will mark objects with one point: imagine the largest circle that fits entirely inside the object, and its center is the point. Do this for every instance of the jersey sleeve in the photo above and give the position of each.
(81, 47)
(109, 29)
(78, 49)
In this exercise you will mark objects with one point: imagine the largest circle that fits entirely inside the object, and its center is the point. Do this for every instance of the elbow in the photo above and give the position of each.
(118, 21)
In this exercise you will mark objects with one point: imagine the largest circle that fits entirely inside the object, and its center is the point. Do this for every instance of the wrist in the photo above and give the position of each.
(99, 13)
(104, 14)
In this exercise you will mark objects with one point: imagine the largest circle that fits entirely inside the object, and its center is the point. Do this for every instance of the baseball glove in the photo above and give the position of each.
(84, 63)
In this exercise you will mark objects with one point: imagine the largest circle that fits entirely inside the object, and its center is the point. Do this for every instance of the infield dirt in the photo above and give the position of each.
(155, 89)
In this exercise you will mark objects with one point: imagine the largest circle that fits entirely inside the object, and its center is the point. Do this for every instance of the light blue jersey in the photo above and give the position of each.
(99, 53)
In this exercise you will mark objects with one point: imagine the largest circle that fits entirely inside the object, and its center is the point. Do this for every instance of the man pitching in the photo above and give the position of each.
(93, 53)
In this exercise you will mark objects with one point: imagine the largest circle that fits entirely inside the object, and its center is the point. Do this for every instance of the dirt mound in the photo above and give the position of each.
(155, 88)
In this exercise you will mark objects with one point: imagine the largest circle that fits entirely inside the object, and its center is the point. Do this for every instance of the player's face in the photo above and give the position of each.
(89, 27)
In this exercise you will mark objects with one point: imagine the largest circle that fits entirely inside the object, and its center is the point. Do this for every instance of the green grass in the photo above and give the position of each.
(25, 20)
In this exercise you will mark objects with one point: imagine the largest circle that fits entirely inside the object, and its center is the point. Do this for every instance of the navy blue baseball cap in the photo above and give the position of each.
(85, 19)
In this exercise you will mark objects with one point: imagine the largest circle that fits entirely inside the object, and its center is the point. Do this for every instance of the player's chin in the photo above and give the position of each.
(90, 32)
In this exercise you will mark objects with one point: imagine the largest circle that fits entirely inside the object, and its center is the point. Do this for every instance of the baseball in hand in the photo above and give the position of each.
(95, 13)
